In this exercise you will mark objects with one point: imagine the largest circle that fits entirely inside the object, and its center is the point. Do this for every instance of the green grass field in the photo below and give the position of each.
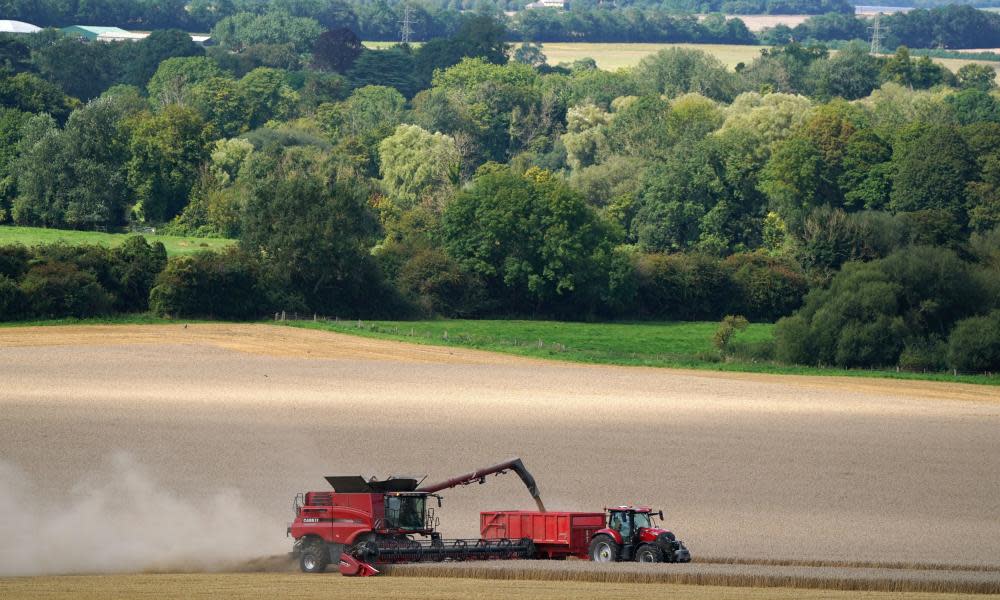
(677, 345)
(682, 345)
(175, 245)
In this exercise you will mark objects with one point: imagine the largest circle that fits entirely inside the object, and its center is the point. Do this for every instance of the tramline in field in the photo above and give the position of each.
(362, 523)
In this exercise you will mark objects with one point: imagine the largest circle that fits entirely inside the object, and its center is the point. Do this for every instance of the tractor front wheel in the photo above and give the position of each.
(603, 549)
(314, 557)
(648, 553)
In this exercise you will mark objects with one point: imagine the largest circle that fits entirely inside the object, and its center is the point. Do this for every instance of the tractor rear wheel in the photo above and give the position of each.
(314, 557)
(603, 549)
(648, 553)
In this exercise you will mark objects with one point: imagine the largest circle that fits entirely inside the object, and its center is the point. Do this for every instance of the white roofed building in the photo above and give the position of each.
(18, 27)
(557, 4)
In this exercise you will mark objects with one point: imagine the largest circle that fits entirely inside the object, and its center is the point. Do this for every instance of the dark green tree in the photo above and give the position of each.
(850, 74)
(80, 70)
(227, 285)
(76, 177)
(336, 50)
(312, 233)
(29, 93)
(534, 242)
(972, 105)
(135, 266)
(977, 77)
(931, 166)
(974, 344)
(480, 36)
(140, 59)
(167, 150)
(393, 67)
(872, 310)
(677, 71)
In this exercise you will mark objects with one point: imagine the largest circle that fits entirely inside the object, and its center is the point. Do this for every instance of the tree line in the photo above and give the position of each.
(947, 26)
(951, 26)
(377, 20)
(450, 180)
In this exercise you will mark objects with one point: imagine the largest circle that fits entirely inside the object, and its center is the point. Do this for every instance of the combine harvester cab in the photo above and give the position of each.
(365, 522)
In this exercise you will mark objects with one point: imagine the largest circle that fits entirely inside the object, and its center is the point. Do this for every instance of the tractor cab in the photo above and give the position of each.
(632, 534)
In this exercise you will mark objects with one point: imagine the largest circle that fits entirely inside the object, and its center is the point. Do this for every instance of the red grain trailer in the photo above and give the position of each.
(555, 534)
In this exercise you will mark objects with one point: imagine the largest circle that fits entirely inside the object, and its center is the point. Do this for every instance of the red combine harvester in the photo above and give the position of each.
(366, 522)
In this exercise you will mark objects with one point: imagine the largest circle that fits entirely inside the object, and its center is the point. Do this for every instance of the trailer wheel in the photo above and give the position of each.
(648, 553)
(314, 557)
(603, 549)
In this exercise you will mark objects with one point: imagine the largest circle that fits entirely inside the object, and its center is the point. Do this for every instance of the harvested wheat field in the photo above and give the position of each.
(259, 586)
(165, 447)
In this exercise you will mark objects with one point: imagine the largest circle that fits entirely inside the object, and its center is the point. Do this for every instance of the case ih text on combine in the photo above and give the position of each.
(362, 523)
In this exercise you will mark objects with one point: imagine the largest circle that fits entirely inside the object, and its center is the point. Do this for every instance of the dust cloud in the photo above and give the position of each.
(118, 519)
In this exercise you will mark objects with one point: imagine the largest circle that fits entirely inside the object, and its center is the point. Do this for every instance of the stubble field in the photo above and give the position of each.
(616, 56)
(165, 447)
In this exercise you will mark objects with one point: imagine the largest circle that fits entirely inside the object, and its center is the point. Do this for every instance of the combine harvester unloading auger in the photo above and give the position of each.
(362, 523)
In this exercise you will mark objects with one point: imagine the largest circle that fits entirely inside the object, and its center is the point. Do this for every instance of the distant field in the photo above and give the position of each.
(616, 56)
(384, 45)
(612, 56)
(954, 64)
(30, 236)
(650, 344)
(758, 23)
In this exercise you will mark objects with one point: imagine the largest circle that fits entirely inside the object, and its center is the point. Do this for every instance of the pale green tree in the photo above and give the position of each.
(694, 116)
(586, 138)
(893, 106)
(768, 117)
(417, 165)
(217, 199)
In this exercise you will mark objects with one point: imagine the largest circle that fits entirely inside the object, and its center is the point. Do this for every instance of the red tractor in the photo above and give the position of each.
(632, 534)
(368, 521)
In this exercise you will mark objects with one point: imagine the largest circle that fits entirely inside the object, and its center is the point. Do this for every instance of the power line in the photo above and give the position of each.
(877, 34)
(406, 25)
